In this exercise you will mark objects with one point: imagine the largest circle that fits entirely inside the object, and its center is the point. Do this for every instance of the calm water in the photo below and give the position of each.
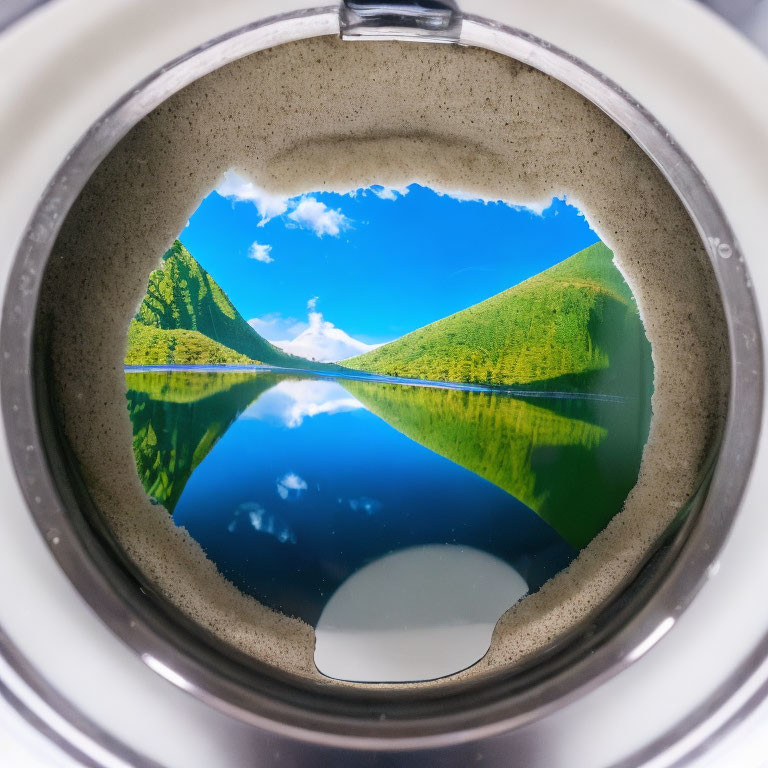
(293, 483)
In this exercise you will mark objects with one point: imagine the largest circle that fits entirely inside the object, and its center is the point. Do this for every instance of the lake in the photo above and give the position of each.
(292, 483)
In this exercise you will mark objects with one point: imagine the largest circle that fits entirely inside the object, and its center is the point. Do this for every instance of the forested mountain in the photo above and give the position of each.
(573, 327)
(149, 345)
(186, 318)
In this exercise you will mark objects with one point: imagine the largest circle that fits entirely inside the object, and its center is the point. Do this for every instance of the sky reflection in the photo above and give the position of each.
(290, 402)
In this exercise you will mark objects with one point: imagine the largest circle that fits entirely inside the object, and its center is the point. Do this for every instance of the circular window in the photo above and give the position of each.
(347, 373)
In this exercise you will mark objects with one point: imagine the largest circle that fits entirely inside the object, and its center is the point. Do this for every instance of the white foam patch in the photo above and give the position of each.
(418, 614)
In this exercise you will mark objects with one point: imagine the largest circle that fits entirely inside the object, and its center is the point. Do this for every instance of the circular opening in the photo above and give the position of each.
(484, 388)
(533, 141)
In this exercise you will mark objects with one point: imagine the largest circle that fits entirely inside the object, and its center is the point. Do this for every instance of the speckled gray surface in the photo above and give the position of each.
(321, 114)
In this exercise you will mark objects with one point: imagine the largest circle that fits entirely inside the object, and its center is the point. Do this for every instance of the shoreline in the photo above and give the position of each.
(375, 377)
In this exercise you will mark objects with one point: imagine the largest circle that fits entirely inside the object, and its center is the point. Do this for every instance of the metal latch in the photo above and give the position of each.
(428, 20)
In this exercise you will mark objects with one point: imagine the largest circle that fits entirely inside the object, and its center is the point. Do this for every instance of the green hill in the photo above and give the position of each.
(182, 296)
(573, 327)
(149, 345)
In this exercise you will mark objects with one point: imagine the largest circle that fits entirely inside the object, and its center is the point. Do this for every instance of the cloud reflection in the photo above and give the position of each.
(291, 486)
(262, 522)
(365, 504)
(290, 402)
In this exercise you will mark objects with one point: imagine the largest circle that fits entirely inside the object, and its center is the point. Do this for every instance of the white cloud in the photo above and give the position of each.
(290, 402)
(323, 341)
(291, 485)
(308, 213)
(467, 197)
(390, 193)
(312, 214)
(470, 197)
(322, 220)
(237, 188)
(260, 252)
(274, 327)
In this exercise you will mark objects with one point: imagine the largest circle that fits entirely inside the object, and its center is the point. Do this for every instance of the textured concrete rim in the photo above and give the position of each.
(611, 651)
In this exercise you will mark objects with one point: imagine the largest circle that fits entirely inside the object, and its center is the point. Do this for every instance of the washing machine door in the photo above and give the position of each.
(87, 682)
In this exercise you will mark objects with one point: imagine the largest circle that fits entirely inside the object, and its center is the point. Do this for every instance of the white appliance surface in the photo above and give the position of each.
(69, 60)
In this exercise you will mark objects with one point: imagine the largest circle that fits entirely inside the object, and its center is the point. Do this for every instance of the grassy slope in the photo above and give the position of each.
(181, 295)
(149, 345)
(571, 462)
(574, 326)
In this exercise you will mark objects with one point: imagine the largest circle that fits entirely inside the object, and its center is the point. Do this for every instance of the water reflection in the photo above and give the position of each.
(177, 419)
(261, 521)
(292, 400)
(295, 485)
(572, 461)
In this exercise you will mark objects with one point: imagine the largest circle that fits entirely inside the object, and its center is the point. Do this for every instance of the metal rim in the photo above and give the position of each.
(16, 10)
(50, 713)
(640, 631)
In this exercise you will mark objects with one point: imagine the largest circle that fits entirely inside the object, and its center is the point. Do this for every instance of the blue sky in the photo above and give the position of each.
(376, 263)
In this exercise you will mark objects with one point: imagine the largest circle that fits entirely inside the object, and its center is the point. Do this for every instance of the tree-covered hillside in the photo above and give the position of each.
(573, 327)
(182, 296)
(149, 345)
